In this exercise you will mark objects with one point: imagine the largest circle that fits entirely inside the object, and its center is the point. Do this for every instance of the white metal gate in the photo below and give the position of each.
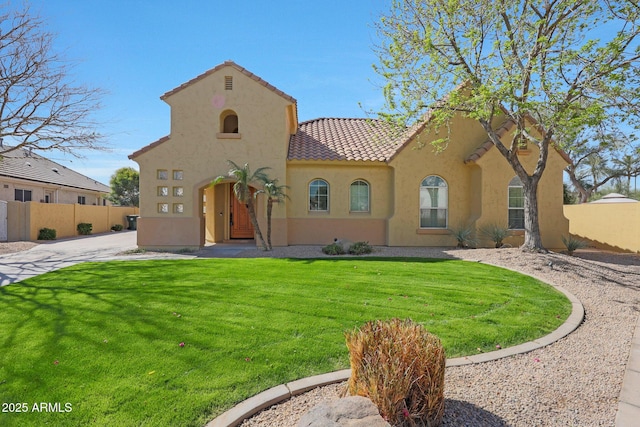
(3, 221)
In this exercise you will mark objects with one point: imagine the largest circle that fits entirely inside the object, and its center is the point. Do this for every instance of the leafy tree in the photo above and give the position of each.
(242, 190)
(40, 107)
(598, 158)
(125, 187)
(275, 193)
(534, 63)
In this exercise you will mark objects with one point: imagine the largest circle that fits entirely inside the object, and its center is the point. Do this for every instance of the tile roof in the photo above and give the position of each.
(240, 69)
(22, 164)
(506, 126)
(343, 139)
(148, 147)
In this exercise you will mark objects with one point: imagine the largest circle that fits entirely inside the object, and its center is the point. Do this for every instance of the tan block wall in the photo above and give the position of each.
(610, 225)
(26, 219)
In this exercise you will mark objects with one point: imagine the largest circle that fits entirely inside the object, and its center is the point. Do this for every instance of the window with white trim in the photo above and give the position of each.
(434, 202)
(359, 196)
(318, 195)
(516, 204)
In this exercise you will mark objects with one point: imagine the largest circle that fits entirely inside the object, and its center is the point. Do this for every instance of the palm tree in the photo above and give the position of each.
(242, 191)
(275, 193)
(628, 167)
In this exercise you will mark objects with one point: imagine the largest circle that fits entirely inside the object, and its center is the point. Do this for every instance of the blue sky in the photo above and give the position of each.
(319, 52)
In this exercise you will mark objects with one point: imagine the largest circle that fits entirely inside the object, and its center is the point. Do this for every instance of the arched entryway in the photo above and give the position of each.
(240, 226)
(225, 218)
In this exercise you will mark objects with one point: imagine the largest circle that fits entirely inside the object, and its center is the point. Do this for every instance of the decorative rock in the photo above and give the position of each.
(352, 411)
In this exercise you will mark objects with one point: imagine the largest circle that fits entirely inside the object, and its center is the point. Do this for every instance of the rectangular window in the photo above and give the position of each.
(163, 191)
(163, 174)
(178, 208)
(433, 207)
(178, 175)
(516, 208)
(23, 195)
(82, 200)
(163, 207)
(228, 82)
(178, 191)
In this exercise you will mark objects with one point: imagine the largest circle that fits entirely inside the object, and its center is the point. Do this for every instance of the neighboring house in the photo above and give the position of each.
(26, 176)
(348, 178)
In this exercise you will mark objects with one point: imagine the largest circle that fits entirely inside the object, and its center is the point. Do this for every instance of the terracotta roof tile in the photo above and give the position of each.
(148, 147)
(343, 139)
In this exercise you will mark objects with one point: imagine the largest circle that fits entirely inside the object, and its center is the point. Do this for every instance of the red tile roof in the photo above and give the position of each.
(148, 147)
(343, 139)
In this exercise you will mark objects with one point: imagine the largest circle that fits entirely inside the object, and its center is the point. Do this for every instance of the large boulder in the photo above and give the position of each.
(352, 411)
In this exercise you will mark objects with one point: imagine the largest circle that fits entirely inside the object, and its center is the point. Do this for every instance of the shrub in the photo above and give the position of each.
(360, 248)
(333, 249)
(47, 234)
(496, 233)
(573, 244)
(463, 236)
(85, 228)
(400, 367)
(117, 227)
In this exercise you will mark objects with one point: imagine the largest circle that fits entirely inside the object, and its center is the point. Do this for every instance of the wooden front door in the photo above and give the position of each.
(239, 219)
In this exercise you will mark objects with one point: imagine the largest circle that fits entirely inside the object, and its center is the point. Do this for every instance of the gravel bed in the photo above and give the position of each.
(573, 382)
(11, 247)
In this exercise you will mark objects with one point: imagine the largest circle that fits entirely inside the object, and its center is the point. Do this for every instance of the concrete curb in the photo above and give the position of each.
(629, 400)
(257, 403)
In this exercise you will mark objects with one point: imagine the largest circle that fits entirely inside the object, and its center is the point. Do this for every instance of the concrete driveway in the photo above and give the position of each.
(51, 256)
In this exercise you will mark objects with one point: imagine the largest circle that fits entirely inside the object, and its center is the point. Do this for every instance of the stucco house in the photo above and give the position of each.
(26, 176)
(348, 178)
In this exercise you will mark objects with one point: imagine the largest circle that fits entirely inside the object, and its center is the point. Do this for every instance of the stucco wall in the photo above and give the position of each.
(57, 194)
(197, 147)
(309, 227)
(610, 225)
(25, 219)
(496, 176)
(413, 164)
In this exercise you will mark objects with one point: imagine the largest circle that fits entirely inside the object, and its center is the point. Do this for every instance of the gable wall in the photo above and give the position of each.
(197, 147)
(413, 164)
(496, 176)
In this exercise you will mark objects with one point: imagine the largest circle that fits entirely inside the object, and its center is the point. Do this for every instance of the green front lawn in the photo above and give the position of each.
(105, 337)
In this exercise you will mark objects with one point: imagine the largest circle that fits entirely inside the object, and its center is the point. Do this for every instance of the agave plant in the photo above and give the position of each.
(464, 236)
(496, 233)
(573, 244)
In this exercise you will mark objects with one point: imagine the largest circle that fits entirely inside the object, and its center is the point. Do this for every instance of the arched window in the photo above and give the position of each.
(516, 204)
(229, 122)
(434, 201)
(359, 196)
(318, 195)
